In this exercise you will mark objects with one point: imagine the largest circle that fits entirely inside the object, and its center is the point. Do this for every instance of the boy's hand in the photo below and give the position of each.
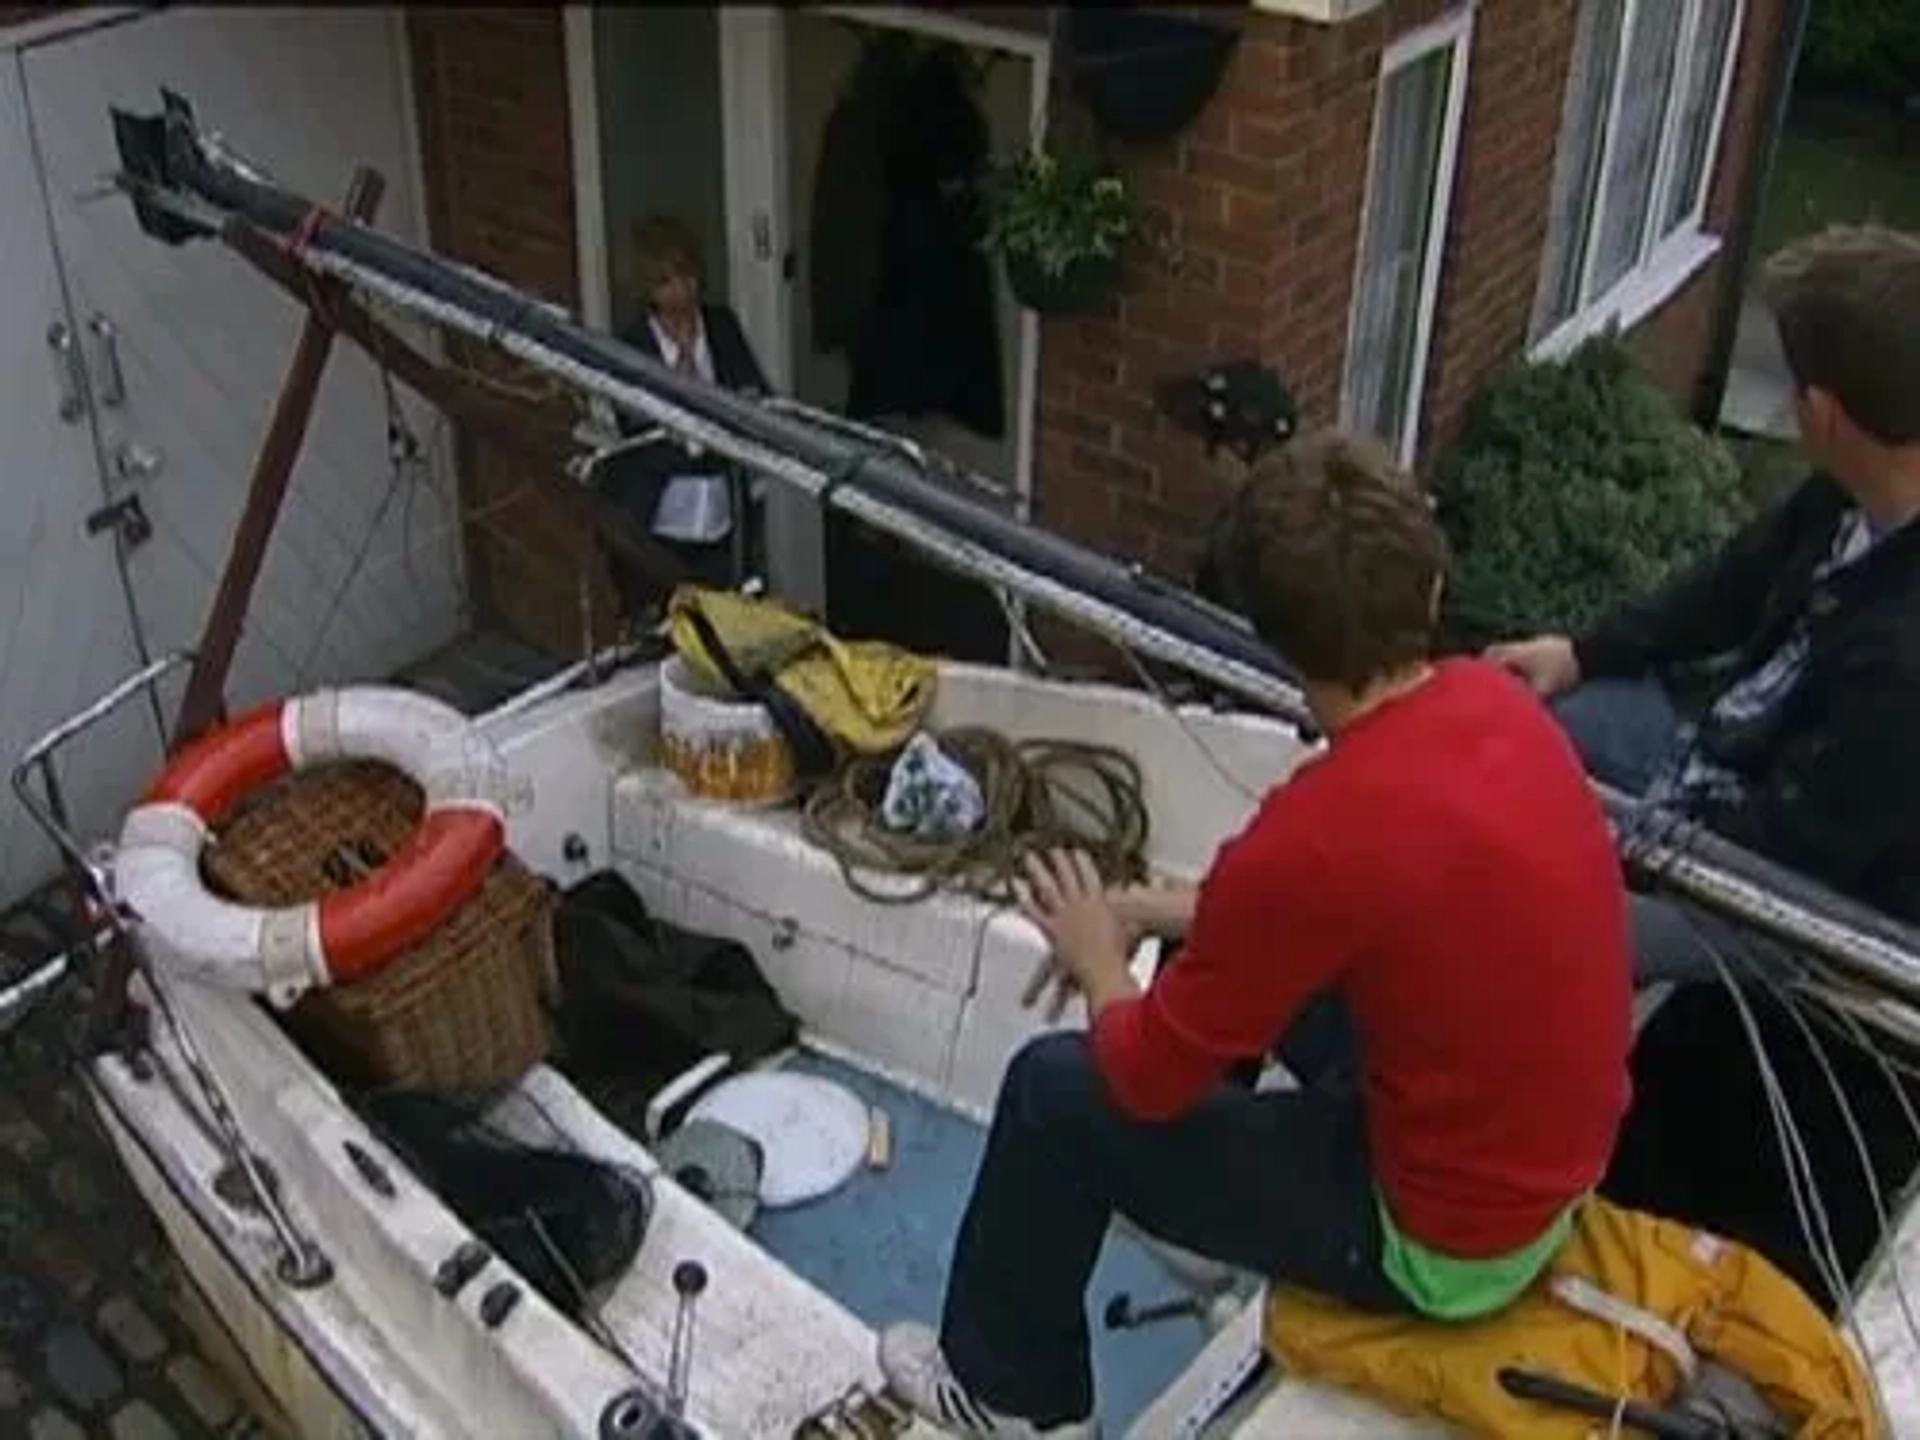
(1063, 895)
(1546, 662)
(1158, 909)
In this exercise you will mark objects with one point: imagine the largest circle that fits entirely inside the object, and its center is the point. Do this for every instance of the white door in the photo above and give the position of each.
(753, 89)
(363, 573)
(65, 630)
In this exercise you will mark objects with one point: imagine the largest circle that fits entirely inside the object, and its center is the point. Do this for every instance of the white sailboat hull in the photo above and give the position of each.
(927, 994)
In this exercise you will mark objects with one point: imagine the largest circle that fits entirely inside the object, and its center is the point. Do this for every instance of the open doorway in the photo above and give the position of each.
(897, 316)
(831, 58)
(735, 121)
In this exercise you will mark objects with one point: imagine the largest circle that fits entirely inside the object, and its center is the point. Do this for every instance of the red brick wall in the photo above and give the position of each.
(1502, 195)
(1264, 193)
(1673, 342)
(492, 91)
(1262, 196)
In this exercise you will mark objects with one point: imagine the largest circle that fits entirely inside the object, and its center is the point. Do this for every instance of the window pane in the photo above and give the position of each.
(1636, 139)
(1382, 358)
(1705, 66)
(1577, 172)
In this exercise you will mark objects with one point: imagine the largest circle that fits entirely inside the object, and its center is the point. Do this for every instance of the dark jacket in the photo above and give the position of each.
(734, 365)
(1838, 796)
(930, 342)
(633, 481)
(843, 232)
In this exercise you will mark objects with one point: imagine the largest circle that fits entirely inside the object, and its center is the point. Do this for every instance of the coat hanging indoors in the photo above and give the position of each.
(899, 279)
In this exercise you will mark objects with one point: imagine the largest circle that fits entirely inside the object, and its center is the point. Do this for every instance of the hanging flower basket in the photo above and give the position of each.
(1087, 284)
(1060, 225)
(1143, 76)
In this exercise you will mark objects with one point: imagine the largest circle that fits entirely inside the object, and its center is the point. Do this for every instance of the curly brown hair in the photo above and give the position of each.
(1848, 303)
(1332, 551)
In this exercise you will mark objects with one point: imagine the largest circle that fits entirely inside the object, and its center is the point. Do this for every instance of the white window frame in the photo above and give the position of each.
(1667, 262)
(1452, 31)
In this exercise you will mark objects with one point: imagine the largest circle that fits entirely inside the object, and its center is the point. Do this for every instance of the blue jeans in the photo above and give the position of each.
(1277, 1183)
(1625, 730)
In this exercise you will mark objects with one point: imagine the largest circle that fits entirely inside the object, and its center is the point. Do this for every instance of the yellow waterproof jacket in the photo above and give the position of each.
(868, 697)
(1688, 1296)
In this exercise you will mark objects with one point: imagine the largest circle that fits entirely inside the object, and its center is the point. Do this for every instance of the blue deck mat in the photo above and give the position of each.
(880, 1245)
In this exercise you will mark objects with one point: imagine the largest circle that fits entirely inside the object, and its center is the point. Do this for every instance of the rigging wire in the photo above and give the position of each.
(1883, 1217)
(1816, 1011)
(1803, 1184)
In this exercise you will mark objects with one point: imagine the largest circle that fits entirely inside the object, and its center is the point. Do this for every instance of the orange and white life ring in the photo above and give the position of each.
(347, 934)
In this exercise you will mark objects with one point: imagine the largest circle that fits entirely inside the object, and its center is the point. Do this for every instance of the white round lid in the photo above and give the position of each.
(813, 1133)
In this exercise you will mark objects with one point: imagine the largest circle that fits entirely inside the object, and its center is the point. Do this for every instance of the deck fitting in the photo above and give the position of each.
(498, 1303)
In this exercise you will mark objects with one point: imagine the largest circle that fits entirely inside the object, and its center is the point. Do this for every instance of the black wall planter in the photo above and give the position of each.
(1087, 285)
(1145, 77)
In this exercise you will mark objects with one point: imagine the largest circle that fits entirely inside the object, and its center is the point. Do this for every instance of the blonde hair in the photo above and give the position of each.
(663, 248)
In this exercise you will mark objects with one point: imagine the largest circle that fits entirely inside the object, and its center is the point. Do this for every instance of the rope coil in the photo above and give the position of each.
(1039, 794)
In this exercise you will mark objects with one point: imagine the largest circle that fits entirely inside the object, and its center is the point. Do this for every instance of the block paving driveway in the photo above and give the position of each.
(90, 1346)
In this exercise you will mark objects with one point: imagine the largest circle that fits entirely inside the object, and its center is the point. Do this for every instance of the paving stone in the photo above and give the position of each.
(75, 1189)
(81, 1372)
(140, 1421)
(23, 1308)
(153, 1266)
(132, 1331)
(23, 1139)
(63, 1264)
(54, 1425)
(28, 1052)
(202, 1390)
(17, 1218)
(84, 1275)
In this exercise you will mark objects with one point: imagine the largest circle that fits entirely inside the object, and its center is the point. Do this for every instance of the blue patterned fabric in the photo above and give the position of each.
(1702, 771)
(931, 796)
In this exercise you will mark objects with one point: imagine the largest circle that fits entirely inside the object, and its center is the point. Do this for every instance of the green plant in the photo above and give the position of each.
(1574, 485)
(1870, 46)
(1055, 210)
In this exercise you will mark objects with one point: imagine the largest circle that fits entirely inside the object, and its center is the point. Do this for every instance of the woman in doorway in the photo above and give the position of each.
(687, 501)
(677, 325)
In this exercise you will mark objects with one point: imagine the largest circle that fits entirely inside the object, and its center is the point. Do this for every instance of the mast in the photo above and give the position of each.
(186, 185)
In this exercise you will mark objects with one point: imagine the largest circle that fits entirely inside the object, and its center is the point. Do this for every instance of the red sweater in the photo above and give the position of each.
(1445, 866)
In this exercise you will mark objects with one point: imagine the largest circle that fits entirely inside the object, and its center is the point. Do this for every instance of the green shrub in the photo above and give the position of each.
(1575, 484)
(1870, 46)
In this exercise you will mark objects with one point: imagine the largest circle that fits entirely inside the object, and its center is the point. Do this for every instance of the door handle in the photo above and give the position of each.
(125, 517)
(68, 372)
(112, 390)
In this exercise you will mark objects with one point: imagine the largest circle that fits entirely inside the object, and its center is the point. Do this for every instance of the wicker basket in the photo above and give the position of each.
(466, 1009)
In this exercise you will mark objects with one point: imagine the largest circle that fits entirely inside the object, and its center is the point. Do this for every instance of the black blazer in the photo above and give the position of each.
(734, 364)
(633, 481)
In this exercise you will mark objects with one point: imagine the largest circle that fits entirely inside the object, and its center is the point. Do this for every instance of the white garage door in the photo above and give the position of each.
(167, 378)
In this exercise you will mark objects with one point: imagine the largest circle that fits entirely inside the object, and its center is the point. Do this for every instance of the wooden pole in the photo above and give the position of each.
(273, 466)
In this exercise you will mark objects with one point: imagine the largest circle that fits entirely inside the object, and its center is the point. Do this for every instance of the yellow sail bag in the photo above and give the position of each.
(866, 697)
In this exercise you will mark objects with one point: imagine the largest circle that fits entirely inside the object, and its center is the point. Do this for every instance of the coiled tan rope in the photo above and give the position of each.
(1039, 794)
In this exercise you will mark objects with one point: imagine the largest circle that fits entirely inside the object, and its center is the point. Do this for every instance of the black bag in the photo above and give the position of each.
(570, 1224)
(643, 1001)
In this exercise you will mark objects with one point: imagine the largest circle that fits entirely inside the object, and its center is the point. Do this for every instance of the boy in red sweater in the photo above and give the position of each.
(1430, 912)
